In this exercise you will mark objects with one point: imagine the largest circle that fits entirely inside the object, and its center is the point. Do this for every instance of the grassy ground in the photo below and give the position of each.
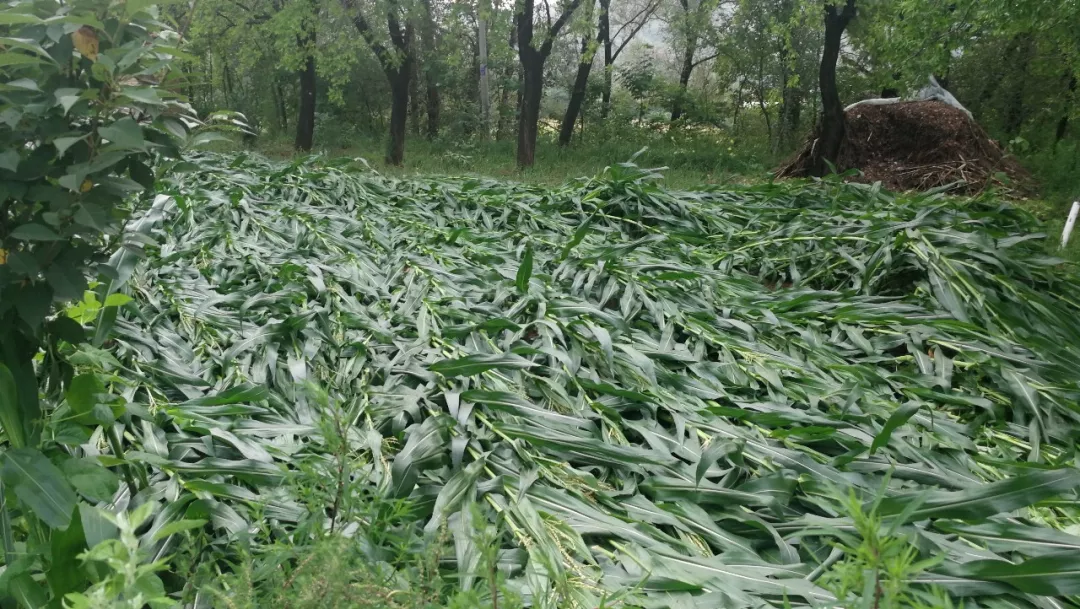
(692, 160)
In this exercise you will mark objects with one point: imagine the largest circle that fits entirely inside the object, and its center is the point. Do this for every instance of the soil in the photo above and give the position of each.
(919, 145)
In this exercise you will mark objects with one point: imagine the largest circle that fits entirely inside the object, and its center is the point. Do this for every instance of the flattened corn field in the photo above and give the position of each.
(722, 398)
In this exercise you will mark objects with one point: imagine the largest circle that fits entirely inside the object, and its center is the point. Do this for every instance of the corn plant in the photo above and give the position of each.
(654, 395)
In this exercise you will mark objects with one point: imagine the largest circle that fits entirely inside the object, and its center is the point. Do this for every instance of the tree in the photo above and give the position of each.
(694, 27)
(429, 36)
(305, 118)
(532, 60)
(396, 61)
(275, 37)
(613, 46)
(831, 133)
(581, 82)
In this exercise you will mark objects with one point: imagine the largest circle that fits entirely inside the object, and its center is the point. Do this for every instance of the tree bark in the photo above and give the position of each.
(1063, 123)
(577, 94)
(434, 107)
(429, 35)
(414, 98)
(399, 109)
(283, 113)
(604, 35)
(831, 136)
(532, 90)
(684, 81)
(790, 103)
(305, 120)
(687, 64)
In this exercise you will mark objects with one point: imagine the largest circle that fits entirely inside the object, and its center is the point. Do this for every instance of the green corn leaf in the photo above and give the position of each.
(10, 410)
(898, 418)
(525, 270)
(39, 485)
(472, 365)
(1052, 575)
(989, 499)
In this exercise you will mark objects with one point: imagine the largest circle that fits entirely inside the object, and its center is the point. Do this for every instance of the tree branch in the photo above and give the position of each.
(704, 59)
(364, 28)
(644, 13)
(637, 28)
(553, 31)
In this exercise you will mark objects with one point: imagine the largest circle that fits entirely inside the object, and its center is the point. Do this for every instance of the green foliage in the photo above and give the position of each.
(880, 560)
(654, 413)
(129, 581)
(87, 117)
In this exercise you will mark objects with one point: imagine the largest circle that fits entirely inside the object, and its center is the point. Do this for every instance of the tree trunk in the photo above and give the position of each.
(794, 115)
(532, 89)
(684, 81)
(1063, 124)
(504, 113)
(577, 94)
(738, 107)
(397, 65)
(283, 112)
(790, 102)
(1022, 48)
(532, 60)
(434, 107)
(305, 120)
(399, 110)
(434, 100)
(414, 98)
(788, 124)
(604, 35)
(831, 136)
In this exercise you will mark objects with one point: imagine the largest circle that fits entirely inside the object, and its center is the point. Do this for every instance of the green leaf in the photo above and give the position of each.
(1052, 575)
(27, 592)
(1015, 537)
(579, 235)
(65, 573)
(711, 455)
(10, 411)
(9, 159)
(178, 526)
(97, 527)
(125, 134)
(67, 98)
(988, 499)
(18, 59)
(899, 417)
(84, 393)
(471, 365)
(63, 143)
(524, 272)
(40, 486)
(117, 300)
(423, 447)
(10, 17)
(240, 394)
(457, 490)
(34, 232)
(90, 479)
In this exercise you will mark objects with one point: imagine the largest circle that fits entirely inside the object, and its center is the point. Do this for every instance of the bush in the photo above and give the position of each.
(85, 111)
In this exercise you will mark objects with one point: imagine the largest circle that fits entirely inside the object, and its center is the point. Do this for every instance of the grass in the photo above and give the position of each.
(692, 158)
(601, 394)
